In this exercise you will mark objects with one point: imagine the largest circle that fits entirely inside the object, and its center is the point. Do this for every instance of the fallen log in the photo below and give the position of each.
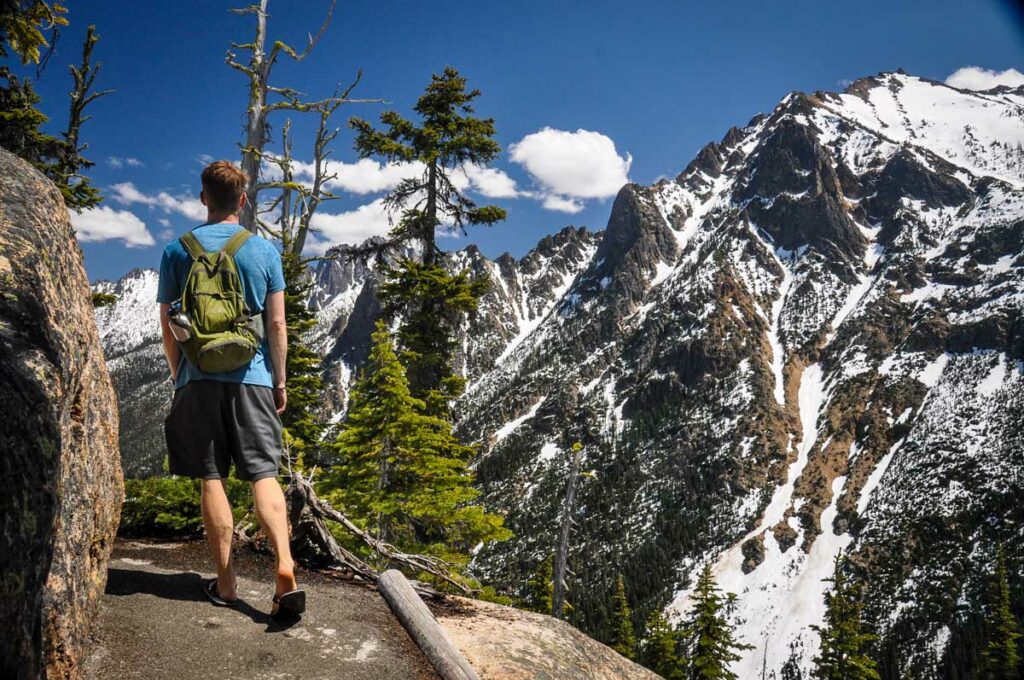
(423, 628)
(312, 540)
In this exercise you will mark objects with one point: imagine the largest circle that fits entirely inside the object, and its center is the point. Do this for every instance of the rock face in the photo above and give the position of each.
(58, 433)
(502, 643)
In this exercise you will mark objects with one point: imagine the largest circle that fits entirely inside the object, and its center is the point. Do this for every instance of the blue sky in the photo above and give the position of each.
(648, 83)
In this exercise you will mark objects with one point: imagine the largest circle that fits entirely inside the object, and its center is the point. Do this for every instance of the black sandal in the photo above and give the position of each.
(215, 598)
(290, 606)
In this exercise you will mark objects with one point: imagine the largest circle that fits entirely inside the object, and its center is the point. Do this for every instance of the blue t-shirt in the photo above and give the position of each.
(259, 268)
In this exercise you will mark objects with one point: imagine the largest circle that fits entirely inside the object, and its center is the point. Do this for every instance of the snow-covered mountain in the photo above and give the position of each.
(808, 343)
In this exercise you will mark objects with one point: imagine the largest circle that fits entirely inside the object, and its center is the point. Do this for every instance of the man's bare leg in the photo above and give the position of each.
(220, 526)
(270, 509)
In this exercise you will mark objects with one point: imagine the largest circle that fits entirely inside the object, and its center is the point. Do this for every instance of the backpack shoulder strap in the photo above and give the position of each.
(236, 242)
(191, 244)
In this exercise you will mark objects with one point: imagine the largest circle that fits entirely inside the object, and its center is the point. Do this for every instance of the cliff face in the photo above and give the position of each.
(60, 463)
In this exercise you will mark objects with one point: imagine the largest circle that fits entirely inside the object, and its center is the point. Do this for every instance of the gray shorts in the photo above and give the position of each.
(214, 424)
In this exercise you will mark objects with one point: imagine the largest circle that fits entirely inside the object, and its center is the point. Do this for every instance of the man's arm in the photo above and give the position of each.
(277, 337)
(171, 349)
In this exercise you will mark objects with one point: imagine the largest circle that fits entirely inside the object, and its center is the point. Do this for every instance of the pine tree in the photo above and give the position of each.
(623, 637)
(844, 645)
(1000, 657)
(302, 422)
(397, 469)
(22, 31)
(431, 303)
(708, 642)
(448, 138)
(541, 586)
(659, 650)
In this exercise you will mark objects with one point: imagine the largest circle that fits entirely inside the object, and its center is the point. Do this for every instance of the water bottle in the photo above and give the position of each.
(181, 327)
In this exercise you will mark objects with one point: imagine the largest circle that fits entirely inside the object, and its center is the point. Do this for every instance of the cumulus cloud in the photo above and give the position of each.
(562, 204)
(978, 78)
(351, 227)
(118, 162)
(568, 166)
(204, 159)
(491, 182)
(103, 223)
(126, 193)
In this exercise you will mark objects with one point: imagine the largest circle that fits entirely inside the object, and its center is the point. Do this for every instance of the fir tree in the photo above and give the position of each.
(431, 303)
(541, 587)
(397, 467)
(303, 424)
(448, 138)
(430, 300)
(623, 637)
(708, 642)
(23, 25)
(1000, 656)
(659, 650)
(844, 645)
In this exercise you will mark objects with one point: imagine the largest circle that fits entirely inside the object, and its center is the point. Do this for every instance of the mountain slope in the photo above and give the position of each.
(809, 342)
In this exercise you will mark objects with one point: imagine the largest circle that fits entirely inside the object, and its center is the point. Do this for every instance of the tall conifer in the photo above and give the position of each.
(623, 637)
(709, 644)
(1000, 657)
(844, 645)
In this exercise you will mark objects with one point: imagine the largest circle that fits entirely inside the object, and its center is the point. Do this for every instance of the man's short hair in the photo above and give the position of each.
(223, 185)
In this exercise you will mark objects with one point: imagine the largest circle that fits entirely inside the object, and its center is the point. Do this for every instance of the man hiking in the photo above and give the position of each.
(224, 335)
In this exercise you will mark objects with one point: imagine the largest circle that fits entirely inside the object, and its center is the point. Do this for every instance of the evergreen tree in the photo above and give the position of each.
(844, 645)
(659, 650)
(708, 642)
(448, 138)
(397, 469)
(303, 425)
(1000, 656)
(430, 301)
(623, 637)
(23, 27)
(541, 587)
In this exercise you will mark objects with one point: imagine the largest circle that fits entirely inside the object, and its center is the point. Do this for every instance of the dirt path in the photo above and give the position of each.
(156, 623)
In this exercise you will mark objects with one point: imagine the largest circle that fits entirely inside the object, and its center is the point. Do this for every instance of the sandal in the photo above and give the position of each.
(290, 606)
(215, 598)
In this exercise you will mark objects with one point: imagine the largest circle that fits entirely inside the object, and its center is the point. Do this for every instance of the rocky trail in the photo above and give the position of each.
(155, 622)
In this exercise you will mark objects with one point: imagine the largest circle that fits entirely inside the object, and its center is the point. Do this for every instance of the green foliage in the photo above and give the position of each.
(431, 303)
(447, 138)
(623, 637)
(303, 423)
(660, 648)
(707, 636)
(103, 299)
(401, 470)
(1000, 656)
(23, 27)
(540, 589)
(169, 507)
(844, 645)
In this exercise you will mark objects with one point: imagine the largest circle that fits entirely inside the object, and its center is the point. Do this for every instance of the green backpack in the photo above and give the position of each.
(223, 338)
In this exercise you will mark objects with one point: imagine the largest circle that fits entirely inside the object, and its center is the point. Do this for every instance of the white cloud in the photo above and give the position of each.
(978, 78)
(562, 204)
(365, 176)
(491, 182)
(351, 227)
(572, 165)
(103, 223)
(118, 162)
(125, 193)
(204, 159)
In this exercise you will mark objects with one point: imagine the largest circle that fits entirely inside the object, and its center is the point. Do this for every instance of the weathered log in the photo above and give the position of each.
(312, 540)
(423, 628)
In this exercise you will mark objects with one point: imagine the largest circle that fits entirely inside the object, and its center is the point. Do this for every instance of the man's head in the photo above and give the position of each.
(223, 191)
